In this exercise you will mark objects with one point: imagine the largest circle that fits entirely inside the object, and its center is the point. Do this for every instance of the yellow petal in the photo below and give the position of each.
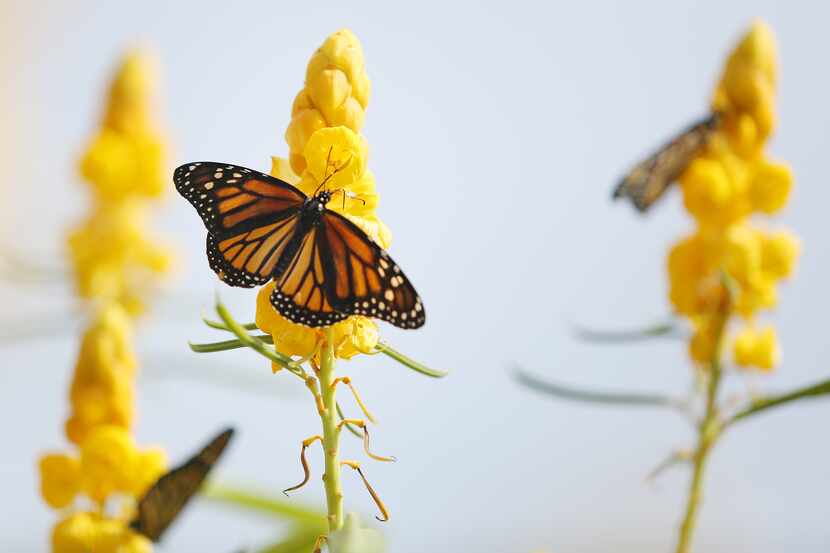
(60, 479)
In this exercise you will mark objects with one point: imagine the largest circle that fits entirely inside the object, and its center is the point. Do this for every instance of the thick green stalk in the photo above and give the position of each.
(331, 435)
(708, 433)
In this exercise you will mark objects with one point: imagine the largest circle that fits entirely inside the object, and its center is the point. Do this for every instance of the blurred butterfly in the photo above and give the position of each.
(167, 497)
(650, 178)
(325, 267)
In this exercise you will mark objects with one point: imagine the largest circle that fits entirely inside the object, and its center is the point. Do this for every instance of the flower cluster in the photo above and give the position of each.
(323, 137)
(729, 182)
(125, 167)
(95, 486)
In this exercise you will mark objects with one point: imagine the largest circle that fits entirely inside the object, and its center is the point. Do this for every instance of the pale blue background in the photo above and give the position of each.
(496, 132)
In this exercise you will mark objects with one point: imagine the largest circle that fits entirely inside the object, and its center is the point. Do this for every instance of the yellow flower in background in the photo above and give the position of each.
(102, 389)
(323, 137)
(126, 167)
(722, 188)
(336, 93)
(129, 155)
(91, 533)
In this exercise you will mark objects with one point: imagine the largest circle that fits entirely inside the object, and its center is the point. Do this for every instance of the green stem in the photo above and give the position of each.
(331, 435)
(708, 433)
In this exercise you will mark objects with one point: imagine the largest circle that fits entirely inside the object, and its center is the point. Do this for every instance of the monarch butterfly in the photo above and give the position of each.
(649, 179)
(167, 497)
(324, 266)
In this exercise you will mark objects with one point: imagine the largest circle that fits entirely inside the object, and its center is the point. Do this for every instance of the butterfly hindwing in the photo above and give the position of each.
(358, 278)
(168, 496)
(646, 182)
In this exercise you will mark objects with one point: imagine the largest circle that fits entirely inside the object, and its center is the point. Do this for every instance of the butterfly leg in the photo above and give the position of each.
(381, 507)
(306, 471)
(348, 382)
(360, 423)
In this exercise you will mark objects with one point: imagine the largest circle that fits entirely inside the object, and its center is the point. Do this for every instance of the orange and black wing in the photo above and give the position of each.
(250, 218)
(168, 496)
(650, 178)
(339, 271)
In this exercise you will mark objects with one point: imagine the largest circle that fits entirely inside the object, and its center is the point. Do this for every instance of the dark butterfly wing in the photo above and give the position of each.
(167, 497)
(339, 268)
(650, 178)
(250, 218)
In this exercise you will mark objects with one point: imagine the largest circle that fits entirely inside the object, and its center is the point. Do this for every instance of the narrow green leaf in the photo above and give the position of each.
(280, 508)
(219, 326)
(256, 342)
(763, 404)
(386, 349)
(590, 396)
(667, 329)
(226, 345)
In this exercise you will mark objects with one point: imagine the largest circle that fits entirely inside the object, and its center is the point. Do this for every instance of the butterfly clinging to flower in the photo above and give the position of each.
(646, 182)
(165, 499)
(325, 268)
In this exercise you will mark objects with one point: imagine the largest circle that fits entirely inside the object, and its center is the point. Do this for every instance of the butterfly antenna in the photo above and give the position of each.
(326, 175)
(336, 170)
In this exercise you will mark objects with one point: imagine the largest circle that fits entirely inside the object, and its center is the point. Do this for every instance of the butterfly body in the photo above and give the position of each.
(325, 268)
(646, 182)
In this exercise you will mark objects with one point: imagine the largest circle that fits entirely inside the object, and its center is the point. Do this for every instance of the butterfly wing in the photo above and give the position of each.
(650, 178)
(168, 496)
(250, 218)
(340, 271)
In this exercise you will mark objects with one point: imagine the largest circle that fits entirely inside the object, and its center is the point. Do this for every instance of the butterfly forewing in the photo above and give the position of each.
(250, 217)
(233, 199)
(650, 178)
(168, 496)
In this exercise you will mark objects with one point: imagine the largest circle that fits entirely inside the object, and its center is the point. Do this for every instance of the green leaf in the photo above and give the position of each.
(272, 506)
(668, 329)
(257, 343)
(386, 349)
(226, 345)
(219, 326)
(590, 396)
(763, 404)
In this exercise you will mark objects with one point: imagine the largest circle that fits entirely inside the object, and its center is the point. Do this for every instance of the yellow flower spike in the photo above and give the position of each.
(749, 78)
(108, 460)
(336, 93)
(59, 479)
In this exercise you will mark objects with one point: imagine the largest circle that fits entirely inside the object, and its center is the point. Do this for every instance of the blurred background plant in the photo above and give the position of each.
(724, 274)
(95, 484)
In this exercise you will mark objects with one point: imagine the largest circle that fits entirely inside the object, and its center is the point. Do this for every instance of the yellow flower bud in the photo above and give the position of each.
(753, 348)
(770, 186)
(779, 252)
(60, 477)
(108, 458)
(74, 534)
(336, 93)
(150, 464)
